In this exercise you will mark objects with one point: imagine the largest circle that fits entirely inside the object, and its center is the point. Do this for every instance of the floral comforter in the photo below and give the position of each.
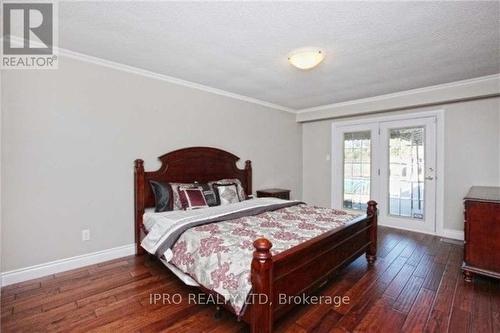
(218, 255)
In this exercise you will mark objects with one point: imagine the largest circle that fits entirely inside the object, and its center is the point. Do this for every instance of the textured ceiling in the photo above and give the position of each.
(371, 48)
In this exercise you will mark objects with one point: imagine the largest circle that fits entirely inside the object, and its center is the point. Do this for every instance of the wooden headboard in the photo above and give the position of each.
(188, 165)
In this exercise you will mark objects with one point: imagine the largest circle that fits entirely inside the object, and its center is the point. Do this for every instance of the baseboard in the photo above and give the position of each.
(409, 229)
(57, 266)
(453, 234)
(446, 233)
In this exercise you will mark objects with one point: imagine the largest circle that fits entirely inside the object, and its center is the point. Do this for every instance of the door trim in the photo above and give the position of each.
(440, 127)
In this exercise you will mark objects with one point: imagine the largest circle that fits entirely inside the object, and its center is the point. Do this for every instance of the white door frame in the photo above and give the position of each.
(439, 177)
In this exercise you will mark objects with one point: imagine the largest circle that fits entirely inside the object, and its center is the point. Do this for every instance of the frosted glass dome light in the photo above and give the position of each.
(306, 58)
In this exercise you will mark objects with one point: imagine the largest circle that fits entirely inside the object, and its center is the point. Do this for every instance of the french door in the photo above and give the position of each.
(392, 162)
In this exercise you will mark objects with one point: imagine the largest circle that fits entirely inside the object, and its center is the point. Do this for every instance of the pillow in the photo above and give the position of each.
(210, 195)
(227, 193)
(241, 190)
(192, 197)
(163, 196)
(176, 201)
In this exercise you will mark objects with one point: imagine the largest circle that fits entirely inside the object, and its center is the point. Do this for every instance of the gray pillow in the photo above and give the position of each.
(163, 196)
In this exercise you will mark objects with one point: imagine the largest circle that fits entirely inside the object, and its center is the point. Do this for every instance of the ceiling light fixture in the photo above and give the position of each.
(306, 58)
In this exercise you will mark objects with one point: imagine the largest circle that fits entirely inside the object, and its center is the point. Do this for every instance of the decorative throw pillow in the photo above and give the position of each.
(210, 195)
(227, 193)
(163, 196)
(241, 190)
(192, 197)
(176, 201)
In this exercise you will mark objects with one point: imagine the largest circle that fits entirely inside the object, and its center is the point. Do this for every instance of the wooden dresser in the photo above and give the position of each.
(482, 232)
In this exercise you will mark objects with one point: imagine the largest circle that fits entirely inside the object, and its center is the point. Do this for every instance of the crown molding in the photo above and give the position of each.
(157, 76)
(454, 91)
(170, 79)
(480, 87)
(403, 93)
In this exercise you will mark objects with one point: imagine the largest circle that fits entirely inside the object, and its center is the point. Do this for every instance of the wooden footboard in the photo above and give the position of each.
(302, 269)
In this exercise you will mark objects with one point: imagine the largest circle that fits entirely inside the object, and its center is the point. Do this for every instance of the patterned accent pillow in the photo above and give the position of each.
(192, 197)
(176, 200)
(163, 196)
(210, 195)
(227, 193)
(241, 190)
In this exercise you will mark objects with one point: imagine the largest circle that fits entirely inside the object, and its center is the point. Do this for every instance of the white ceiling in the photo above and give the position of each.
(371, 48)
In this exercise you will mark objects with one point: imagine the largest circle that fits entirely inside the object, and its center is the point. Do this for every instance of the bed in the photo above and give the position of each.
(299, 262)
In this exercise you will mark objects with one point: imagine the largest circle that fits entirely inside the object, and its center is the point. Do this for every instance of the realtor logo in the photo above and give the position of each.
(29, 35)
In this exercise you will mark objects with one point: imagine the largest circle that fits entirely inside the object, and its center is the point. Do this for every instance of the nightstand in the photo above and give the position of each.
(275, 193)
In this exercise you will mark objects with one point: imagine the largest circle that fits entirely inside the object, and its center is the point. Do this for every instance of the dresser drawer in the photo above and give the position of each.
(482, 235)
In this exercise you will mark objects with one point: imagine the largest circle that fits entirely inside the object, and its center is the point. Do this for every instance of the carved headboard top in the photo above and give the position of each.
(189, 165)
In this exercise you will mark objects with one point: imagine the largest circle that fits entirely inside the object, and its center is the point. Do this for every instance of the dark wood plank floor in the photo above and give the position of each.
(415, 286)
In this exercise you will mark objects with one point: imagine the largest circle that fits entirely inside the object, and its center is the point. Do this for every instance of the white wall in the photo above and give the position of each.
(69, 138)
(472, 154)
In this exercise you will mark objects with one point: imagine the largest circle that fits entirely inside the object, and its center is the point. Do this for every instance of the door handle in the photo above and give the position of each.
(429, 178)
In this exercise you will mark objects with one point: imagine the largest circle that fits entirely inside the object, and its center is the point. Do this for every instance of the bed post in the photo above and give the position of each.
(248, 177)
(371, 252)
(261, 276)
(138, 203)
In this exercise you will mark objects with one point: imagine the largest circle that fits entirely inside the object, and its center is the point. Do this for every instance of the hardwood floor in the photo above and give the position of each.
(415, 286)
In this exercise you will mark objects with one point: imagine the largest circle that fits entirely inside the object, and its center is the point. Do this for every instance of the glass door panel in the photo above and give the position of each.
(357, 169)
(406, 172)
(353, 165)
